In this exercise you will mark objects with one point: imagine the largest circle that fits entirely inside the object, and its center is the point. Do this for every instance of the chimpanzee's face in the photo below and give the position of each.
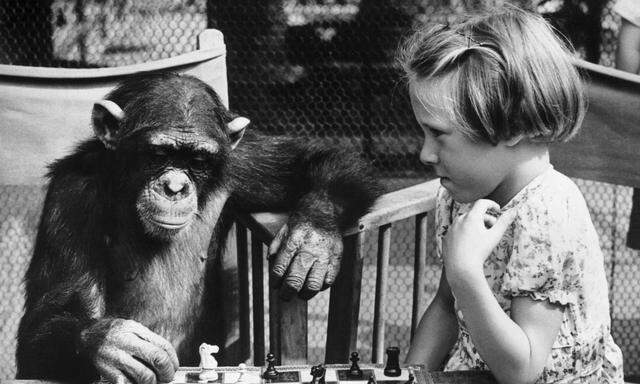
(171, 137)
(171, 174)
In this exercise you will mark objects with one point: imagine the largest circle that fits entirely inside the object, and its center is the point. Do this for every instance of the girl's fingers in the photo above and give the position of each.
(503, 222)
(489, 220)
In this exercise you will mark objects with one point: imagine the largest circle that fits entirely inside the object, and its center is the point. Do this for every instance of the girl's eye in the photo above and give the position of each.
(435, 132)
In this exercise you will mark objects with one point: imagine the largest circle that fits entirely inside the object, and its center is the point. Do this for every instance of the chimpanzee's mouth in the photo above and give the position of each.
(168, 223)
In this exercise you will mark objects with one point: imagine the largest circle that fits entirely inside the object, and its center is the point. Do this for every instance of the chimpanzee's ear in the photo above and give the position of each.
(106, 118)
(236, 129)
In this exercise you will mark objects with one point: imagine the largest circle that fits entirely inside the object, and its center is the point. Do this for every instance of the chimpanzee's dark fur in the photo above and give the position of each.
(93, 261)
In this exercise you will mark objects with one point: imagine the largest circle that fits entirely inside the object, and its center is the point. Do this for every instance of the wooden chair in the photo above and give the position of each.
(607, 150)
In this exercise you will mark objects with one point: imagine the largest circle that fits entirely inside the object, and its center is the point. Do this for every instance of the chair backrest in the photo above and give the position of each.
(44, 112)
(607, 148)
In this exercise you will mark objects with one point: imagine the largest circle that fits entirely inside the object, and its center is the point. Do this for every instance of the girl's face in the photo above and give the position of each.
(468, 169)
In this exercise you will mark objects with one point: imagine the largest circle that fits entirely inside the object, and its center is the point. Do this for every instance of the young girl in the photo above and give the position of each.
(523, 290)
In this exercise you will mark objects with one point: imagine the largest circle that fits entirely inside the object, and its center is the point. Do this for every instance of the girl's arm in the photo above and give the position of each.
(437, 331)
(515, 348)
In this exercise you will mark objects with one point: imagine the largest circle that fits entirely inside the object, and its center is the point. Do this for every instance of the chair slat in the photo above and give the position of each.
(243, 281)
(257, 273)
(384, 242)
(287, 327)
(344, 304)
(419, 265)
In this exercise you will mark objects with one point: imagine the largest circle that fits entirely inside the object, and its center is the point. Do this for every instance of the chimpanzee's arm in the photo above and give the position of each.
(331, 187)
(325, 189)
(63, 289)
(64, 334)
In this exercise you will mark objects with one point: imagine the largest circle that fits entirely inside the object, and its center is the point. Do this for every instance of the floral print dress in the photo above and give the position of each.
(549, 252)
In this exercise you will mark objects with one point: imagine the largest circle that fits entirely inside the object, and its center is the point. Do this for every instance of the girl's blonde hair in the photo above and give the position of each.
(508, 72)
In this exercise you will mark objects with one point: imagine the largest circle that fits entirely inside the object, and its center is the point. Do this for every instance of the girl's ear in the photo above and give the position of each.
(106, 118)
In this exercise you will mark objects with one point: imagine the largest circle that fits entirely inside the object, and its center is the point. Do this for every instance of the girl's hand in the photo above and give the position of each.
(473, 235)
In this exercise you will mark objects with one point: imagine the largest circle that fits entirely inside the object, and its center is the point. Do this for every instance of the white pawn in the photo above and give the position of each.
(208, 363)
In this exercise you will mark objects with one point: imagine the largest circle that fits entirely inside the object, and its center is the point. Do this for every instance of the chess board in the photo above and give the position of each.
(335, 374)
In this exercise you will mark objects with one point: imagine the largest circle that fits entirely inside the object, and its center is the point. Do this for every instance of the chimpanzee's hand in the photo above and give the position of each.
(307, 260)
(125, 351)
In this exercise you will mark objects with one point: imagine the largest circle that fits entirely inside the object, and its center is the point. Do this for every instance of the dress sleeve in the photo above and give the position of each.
(544, 263)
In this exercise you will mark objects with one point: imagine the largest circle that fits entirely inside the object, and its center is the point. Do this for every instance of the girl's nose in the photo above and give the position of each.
(428, 154)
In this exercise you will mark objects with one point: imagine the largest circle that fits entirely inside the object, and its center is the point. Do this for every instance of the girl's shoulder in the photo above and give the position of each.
(551, 195)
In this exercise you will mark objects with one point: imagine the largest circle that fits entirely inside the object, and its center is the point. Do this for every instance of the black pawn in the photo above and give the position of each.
(355, 371)
(372, 380)
(270, 373)
(393, 362)
(318, 373)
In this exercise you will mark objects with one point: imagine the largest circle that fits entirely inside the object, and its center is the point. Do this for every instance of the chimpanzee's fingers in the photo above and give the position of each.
(283, 259)
(111, 374)
(315, 280)
(299, 270)
(153, 357)
(134, 369)
(111, 363)
(167, 358)
(333, 269)
(277, 241)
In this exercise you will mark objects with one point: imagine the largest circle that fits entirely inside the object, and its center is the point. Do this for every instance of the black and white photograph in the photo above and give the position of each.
(320, 191)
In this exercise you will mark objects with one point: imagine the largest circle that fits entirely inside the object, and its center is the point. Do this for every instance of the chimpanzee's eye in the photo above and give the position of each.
(159, 152)
(199, 160)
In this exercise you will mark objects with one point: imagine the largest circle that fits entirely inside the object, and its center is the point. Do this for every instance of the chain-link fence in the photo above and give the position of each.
(321, 69)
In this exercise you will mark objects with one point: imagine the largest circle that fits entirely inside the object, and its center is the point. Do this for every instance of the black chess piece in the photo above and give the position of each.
(318, 372)
(372, 380)
(393, 362)
(270, 373)
(411, 379)
(354, 371)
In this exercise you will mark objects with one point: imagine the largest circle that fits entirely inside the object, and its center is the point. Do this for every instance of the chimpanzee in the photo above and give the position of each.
(120, 284)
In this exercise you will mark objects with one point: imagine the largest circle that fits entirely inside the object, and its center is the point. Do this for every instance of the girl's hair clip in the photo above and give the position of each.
(476, 43)
(467, 36)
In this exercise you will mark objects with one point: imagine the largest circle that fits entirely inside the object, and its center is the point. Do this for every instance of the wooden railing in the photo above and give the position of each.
(288, 319)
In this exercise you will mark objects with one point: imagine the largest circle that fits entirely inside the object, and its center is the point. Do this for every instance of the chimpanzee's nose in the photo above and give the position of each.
(174, 185)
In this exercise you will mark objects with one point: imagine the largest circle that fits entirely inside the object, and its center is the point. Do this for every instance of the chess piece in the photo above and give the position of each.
(372, 380)
(393, 362)
(206, 351)
(242, 369)
(411, 379)
(270, 373)
(208, 363)
(354, 371)
(318, 373)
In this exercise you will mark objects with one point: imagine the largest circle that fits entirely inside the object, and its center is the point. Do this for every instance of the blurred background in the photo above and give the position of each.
(319, 69)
